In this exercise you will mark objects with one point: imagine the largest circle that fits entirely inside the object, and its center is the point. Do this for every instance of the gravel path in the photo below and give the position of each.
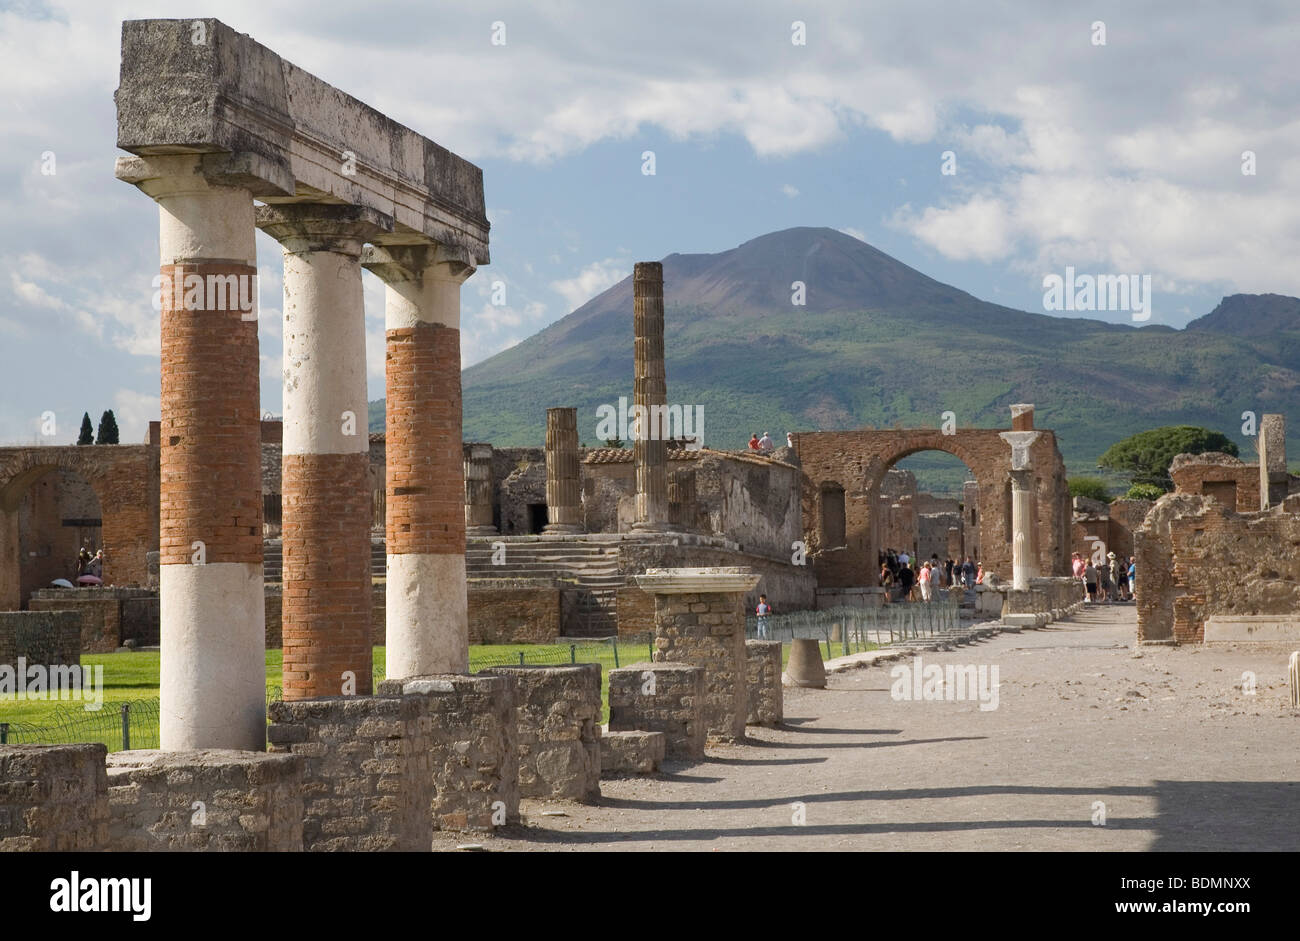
(1166, 738)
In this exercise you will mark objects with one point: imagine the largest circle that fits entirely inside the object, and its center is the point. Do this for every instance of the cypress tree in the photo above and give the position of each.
(107, 429)
(87, 435)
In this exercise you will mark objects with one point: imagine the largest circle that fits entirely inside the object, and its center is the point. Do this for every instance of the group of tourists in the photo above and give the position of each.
(1113, 581)
(90, 569)
(765, 444)
(904, 580)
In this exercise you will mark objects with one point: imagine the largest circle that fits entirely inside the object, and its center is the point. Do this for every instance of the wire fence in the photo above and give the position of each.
(117, 725)
(847, 630)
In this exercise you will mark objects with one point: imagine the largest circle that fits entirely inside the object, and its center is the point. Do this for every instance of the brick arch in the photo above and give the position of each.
(124, 478)
(859, 460)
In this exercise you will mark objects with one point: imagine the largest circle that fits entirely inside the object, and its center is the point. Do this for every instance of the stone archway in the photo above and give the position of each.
(125, 480)
(858, 460)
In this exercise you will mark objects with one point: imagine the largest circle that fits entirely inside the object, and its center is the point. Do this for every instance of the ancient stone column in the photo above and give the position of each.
(478, 490)
(326, 514)
(650, 398)
(426, 609)
(1271, 443)
(1024, 545)
(700, 620)
(213, 674)
(563, 492)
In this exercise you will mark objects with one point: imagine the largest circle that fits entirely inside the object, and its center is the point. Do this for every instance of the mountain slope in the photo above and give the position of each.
(879, 343)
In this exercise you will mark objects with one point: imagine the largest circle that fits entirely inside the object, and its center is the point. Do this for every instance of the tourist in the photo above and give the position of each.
(905, 579)
(1077, 565)
(753, 441)
(948, 565)
(1090, 581)
(1113, 571)
(763, 610)
(96, 566)
(1132, 577)
(887, 582)
(968, 573)
(789, 441)
(765, 445)
(923, 579)
(904, 558)
(979, 574)
(83, 562)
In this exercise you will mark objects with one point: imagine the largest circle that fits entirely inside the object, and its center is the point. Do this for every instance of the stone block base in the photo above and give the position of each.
(1252, 629)
(53, 798)
(367, 780)
(557, 728)
(631, 752)
(473, 754)
(214, 800)
(763, 670)
(660, 697)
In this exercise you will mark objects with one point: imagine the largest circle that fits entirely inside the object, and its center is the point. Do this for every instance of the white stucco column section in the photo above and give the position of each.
(212, 605)
(426, 606)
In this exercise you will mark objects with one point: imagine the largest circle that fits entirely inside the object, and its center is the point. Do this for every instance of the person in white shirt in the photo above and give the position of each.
(765, 445)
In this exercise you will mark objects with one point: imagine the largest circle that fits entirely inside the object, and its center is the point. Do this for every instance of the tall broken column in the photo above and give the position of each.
(325, 463)
(650, 398)
(478, 490)
(212, 684)
(426, 606)
(1024, 547)
(1271, 442)
(563, 491)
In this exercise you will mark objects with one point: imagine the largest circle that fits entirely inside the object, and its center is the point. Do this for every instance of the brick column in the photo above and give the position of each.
(325, 518)
(1024, 545)
(426, 608)
(700, 620)
(563, 497)
(478, 490)
(650, 389)
(213, 675)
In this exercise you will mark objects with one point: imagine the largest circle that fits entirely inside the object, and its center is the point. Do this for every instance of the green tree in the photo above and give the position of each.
(107, 429)
(87, 435)
(1094, 488)
(1146, 456)
(1144, 492)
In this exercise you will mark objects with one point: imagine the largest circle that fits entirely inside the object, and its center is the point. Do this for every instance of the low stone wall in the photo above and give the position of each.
(109, 616)
(513, 610)
(849, 598)
(1197, 558)
(631, 752)
(708, 630)
(763, 673)
(557, 729)
(205, 801)
(660, 697)
(53, 798)
(367, 776)
(473, 754)
(47, 638)
(1044, 601)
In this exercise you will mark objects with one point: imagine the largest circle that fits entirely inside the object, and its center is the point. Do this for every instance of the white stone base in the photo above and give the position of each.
(212, 683)
(1253, 629)
(426, 615)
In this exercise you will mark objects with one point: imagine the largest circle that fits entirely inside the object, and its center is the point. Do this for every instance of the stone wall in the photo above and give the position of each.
(367, 774)
(53, 798)
(660, 697)
(40, 637)
(631, 753)
(473, 756)
(636, 612)
(1197, 558)
(205, 801)
(708, 631)
(763, 674)
(513, 611)
(109, 616)
(557, 729)
(932, 534)
(1222, 476)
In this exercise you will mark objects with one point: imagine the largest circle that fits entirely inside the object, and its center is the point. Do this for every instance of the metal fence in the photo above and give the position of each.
(119, 725)
(844, 629)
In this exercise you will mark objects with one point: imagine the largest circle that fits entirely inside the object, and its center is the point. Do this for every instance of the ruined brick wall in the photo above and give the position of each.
(661, 697)
(858, 460)
(53, 798)
(1217, 475)
(763, 674)
(513, 611)
(932, 533)
(1197, 558)
(788, 587)
(58, 516)
(557, 729)
(473, 757)
(1126, 517)
(518, 481)
(47, 638)
(109, 616)
(367, 774)
(754, 501)
(636, 612)
(247, 801)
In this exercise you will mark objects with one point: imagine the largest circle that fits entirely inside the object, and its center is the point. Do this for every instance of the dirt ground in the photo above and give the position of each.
(1167, 739)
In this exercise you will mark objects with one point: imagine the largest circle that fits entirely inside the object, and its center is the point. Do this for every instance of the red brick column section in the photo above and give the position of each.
(425, 604)
(325, 487)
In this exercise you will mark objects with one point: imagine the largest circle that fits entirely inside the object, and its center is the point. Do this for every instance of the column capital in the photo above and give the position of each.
(396, 264)
(322, 227)
(175, 174)
(1020, 442)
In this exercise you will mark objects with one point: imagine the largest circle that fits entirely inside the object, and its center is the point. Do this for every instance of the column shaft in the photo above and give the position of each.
(563, 497)
(1024, 558)
(478, 490)
(650, 394)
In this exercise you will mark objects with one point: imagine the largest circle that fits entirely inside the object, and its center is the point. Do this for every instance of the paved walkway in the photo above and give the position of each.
(1164, 738)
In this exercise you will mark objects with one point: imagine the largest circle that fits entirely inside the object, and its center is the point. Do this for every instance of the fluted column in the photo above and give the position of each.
(212, 683)
(325, 486)
(563, 497)
(650, 398)
(426, 609)
(478, 490)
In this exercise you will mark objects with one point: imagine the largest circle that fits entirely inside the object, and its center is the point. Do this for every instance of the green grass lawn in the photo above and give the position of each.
(133, 677)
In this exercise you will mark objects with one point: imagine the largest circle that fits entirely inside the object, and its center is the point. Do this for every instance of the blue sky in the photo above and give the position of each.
(1122, 158)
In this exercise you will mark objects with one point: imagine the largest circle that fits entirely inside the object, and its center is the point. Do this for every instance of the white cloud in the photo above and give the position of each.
(789, 190)
(133, 411)
(856, 233)
(590, 281)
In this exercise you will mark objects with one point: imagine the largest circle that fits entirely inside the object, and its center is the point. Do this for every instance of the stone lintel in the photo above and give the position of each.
(690, 581)
(321, 227)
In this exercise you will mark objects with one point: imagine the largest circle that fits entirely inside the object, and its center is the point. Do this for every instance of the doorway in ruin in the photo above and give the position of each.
(58, 515)
(536, 518)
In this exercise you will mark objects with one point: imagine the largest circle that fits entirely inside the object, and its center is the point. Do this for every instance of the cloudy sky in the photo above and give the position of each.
(1119, 158)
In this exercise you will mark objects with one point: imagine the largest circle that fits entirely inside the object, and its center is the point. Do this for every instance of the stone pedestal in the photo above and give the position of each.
(660, 697)
(700, 620)
(650, 398)
(763, 675)
(563, 492)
